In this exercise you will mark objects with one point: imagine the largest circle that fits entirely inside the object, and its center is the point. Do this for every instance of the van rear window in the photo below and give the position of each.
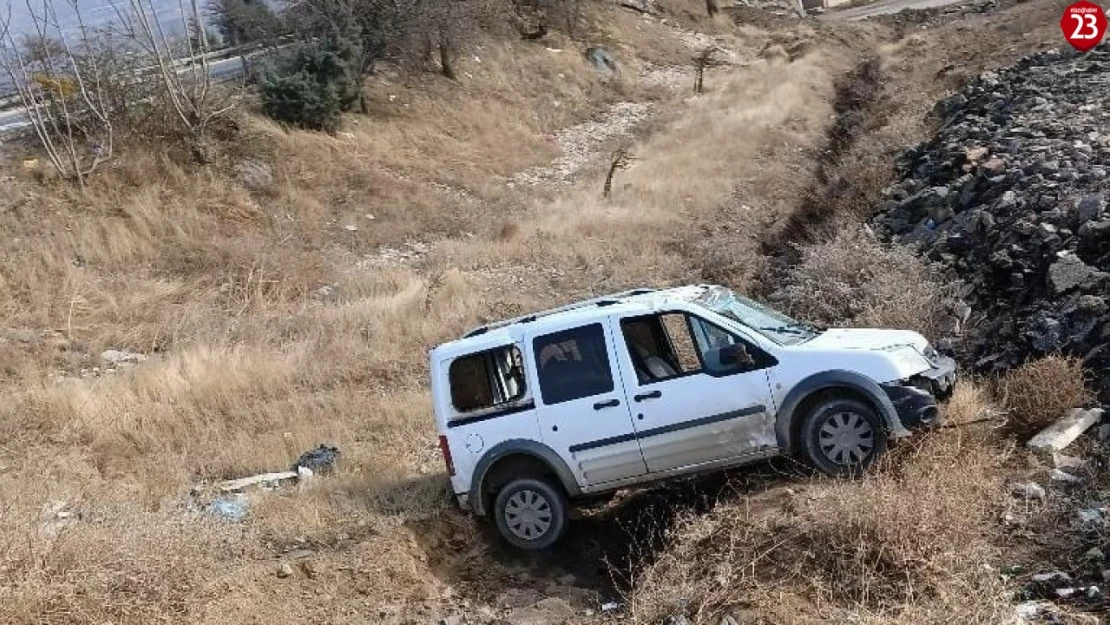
(486, 379)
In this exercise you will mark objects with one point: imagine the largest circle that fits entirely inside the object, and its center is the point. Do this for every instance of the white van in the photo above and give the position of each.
(644, 385)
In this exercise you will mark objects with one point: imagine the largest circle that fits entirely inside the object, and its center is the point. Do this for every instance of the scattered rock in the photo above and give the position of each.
(532, 616)
(1065, 430)
(1071, 273)
(121, 356)
(1051, 578)
(642, 6)
(351, 228)
(20, 335)
(255, 175)
(518, 598)
(583, 143)
(603, 61)
(1060, 461)
(454, 619)
(284, 570)
(229, 508)
(1021, 145)
(1090, 208)
(1028, 490)
(555, 606)
(1091, 515)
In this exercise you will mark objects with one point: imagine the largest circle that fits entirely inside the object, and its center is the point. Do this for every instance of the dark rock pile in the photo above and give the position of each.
(1012, 195)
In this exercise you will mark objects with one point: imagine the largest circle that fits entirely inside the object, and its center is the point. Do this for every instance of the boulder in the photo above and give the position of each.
(1070, 272)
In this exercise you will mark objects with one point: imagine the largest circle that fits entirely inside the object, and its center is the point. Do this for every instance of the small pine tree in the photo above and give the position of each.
(311, 88)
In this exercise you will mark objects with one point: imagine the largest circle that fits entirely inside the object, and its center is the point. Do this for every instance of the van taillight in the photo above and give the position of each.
(446, 449)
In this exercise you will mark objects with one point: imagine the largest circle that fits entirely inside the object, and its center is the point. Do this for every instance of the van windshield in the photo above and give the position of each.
(772, 324)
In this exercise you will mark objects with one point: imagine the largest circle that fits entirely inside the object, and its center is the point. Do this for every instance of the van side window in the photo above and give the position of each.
(660, 346)
(573, 364)
(486, 379)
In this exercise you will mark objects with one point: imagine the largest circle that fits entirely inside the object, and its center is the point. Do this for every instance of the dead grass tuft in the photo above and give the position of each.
(1040, 391)
(855, 279)
(906, 544)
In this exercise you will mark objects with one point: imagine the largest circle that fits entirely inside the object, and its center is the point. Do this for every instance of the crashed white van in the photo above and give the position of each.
(648, 384)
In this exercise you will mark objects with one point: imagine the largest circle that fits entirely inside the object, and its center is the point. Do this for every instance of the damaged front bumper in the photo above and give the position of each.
(915, 400)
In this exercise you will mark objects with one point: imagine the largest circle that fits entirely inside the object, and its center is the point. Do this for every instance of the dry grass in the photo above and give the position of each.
(1040, 391)
(251, 362)
(855, 279)
(907, 544)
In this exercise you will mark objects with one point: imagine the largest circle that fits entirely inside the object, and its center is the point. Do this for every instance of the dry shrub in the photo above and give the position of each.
(970, 402)
(1038, 392)
(906, 544)
(853, 279)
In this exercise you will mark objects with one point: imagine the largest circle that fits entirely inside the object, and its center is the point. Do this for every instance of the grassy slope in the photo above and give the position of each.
(249, 367)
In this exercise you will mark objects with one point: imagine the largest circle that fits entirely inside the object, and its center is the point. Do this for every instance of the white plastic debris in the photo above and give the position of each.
(1028, 490)
(262, 479)
(1054, 576)
(1092, 515)
(1063, 476)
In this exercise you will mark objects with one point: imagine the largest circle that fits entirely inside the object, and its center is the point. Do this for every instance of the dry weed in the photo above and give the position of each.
(1040, 391)
(854, 279)
(907, 544)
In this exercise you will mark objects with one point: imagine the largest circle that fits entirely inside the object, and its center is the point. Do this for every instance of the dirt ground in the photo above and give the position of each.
(273, 318)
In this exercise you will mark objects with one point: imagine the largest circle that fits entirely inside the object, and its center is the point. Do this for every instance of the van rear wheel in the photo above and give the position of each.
(531, 513)
(843, 436)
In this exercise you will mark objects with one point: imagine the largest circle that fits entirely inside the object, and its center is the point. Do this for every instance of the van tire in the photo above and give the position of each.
(843, 437)
(531, 513)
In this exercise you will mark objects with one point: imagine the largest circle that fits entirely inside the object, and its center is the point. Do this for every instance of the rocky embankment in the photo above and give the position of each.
(1012, 195)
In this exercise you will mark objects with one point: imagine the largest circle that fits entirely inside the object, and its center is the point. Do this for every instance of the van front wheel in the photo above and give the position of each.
(843, 436)
(531, 513)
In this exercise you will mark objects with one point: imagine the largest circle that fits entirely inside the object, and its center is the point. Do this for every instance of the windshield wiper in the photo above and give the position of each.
(785, 330)
(812, 327)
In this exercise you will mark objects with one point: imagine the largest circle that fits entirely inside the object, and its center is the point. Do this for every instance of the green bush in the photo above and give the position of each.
(311, 87)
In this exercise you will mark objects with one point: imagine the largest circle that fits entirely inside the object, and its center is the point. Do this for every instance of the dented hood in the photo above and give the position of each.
(866, 338)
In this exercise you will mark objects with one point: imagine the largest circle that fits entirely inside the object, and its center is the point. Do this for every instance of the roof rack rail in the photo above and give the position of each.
(604, 300)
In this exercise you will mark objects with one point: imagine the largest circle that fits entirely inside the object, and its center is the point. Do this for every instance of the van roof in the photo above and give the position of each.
(509, 330)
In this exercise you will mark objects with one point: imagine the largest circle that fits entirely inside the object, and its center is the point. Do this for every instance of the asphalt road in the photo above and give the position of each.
(883, 7)
(221, 70)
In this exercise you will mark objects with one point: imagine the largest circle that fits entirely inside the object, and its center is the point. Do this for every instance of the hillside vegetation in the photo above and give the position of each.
(284, 293)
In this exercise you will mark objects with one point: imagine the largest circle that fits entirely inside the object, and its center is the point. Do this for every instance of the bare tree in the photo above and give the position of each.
(182, 68)
(703, 60)
(620, 159)
(60, 89)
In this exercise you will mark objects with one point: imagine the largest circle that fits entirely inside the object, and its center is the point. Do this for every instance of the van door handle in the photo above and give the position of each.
(612, 403)
(652, 395)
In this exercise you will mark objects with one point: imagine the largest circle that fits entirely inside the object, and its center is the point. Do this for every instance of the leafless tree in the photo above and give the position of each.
(703, 60)
(620, 159)
(182, 68)
(60, 88)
